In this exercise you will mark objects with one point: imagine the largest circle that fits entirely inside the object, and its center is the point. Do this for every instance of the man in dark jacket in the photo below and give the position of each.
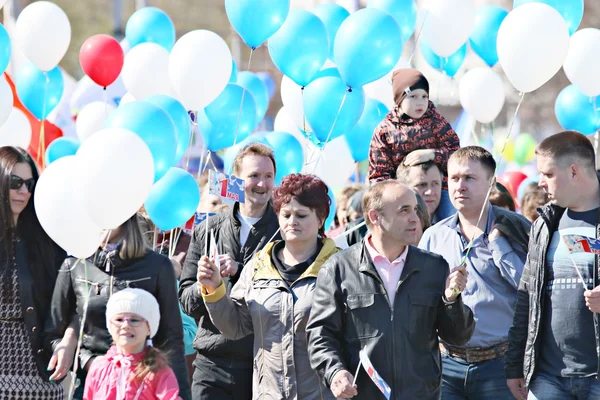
(555, 337)
(489, 242)
(223, 368)
(389, 299)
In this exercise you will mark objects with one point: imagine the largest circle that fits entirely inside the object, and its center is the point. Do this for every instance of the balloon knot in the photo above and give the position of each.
(349, 90)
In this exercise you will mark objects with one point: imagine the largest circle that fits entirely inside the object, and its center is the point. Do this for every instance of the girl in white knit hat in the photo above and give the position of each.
(132, 369)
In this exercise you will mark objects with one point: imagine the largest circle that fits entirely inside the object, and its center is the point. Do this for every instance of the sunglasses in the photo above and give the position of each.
(16, 183)
(133, 321)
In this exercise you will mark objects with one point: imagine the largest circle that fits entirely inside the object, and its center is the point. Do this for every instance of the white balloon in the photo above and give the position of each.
(481, 93)
(43, 34)
(87, 91)
(200, 68)
(582, 64)
(283, 123)
(91, 119)
(6, 100)
(533, 41)
(16, 131)
(119, 161)
(128, 98)
(448, 25)
(146, 71)
(291, 97)
(60, 212)
(334, 163)
(2, 3)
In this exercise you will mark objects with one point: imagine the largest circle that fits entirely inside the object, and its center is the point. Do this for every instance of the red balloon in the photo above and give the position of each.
(511, 181)
(101, 58)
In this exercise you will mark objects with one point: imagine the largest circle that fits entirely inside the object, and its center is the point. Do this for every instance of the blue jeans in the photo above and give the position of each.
(445, 208)
(549, 387)
(478, 381)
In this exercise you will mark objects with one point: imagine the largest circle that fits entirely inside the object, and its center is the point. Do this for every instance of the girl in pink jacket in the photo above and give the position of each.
(132, 369)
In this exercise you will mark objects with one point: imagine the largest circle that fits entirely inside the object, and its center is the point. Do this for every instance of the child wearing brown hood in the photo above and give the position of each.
(412, 133)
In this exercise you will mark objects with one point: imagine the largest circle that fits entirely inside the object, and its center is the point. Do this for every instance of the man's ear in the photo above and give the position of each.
(373, 217)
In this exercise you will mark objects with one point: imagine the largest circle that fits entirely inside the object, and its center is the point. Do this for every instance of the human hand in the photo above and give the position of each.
(228, 265)
(208, 276)
(517, 388)
(62, 358)
(456, 283)
(592, 299)
(419, 157)
(341, 385)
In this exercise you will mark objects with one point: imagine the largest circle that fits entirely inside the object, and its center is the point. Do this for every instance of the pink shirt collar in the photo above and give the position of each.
(376, 256)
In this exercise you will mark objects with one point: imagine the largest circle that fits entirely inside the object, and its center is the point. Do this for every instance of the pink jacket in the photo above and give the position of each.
(108, 379)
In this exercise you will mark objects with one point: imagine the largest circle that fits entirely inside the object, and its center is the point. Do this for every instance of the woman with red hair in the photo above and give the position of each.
(274, 294)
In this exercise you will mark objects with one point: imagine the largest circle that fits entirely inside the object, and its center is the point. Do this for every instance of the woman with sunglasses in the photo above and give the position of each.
(29, 262)
(123, 261)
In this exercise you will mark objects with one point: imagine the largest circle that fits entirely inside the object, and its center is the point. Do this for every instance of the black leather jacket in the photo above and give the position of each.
(351, 311)
(35, 296)
(524, 339)
(209, 342)
(153, 273)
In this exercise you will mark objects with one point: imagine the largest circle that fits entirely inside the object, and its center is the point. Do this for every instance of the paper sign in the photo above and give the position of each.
(227, 186)
(582, 244)
(374, 375)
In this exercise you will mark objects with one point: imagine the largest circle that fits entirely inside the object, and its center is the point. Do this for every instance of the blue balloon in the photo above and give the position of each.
(359, 137)
(255, 86)
(5, 49)
(571, 10)
(39, 91)
(575, 111)
(405, 13)
(180, 118)
(331, 108)
(289, 154)
(331, 71)
(232, 151)
(154, 126)
(218, 122)
(367, 46)
(300, 48)
(150, 25)
(268, 81)
(61, 147)
(173, 200)
(448, 65)
(332, 210)
(234, 72)
(485, 32)
(256, 20)
(332, 16)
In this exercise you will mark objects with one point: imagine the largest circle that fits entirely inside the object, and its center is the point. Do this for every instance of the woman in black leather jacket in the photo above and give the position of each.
(29, 262)
(125, 261)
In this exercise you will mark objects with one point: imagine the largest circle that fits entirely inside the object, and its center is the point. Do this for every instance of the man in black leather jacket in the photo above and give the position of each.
(554, 341)
(223, 368)
(393, 310)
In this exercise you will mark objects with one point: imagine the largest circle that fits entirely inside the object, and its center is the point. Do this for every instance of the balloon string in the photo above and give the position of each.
(330, 131)
(597, 136)
(188, 155)
(155, 238)
(417, 37)
(42, 136)
(81, 327)
(237, 126)
(307, 148)
(105, 96)
(170, 249)
(493, 181)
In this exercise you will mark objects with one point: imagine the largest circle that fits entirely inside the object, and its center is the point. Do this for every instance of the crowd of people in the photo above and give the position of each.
(434, 272)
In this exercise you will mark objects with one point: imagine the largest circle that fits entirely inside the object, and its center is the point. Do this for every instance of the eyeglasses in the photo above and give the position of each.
(16, 183)
(133, 321)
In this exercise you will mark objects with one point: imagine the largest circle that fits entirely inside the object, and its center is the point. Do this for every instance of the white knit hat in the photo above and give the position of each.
(134, 301)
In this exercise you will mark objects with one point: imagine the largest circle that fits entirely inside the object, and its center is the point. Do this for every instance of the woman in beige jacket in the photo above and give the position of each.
(274, 295)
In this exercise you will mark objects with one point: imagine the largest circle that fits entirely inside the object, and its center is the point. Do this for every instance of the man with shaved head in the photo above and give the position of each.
(391, 300)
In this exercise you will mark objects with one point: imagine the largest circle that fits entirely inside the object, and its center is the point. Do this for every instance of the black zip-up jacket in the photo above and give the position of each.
(351, 311)
(35, 296)
(153, 273)
(524, 336)
(226, 227)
